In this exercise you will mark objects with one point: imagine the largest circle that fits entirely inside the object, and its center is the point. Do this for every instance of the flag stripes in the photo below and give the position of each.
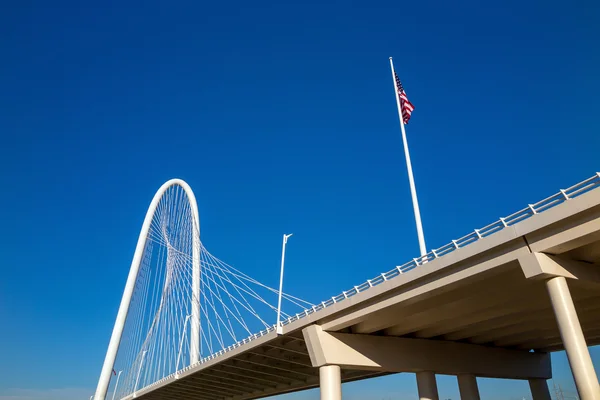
(407, 106)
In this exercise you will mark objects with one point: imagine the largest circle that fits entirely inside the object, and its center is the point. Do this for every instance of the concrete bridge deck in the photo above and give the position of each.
(483, 310)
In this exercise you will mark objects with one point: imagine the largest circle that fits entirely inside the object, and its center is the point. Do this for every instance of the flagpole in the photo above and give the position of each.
(411, 180)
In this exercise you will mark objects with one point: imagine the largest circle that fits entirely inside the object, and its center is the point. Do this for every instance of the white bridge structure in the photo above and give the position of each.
(493, 303)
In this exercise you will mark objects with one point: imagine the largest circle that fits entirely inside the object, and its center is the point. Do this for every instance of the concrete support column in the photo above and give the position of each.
(539, 389)
(331, 382)
(427, 386)
(573, 339)
(467, 386)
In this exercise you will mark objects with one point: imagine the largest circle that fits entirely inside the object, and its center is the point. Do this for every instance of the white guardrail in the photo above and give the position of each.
(531, 210)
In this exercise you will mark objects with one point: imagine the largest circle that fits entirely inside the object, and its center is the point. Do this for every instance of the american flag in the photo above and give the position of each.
(407, 106)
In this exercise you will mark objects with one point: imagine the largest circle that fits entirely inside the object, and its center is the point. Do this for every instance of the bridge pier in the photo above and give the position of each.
(427, 386)
(539, 389)
(331, 382)
(554, 270)
(573, 339)
(467, 386)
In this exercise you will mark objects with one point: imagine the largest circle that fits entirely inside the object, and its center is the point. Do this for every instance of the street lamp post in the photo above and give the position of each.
(279, 328)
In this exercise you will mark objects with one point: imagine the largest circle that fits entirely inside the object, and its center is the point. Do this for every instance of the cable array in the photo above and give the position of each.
(159, 338)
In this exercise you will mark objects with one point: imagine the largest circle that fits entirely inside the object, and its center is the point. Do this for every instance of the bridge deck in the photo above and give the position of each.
(477, 294)
(276, 365)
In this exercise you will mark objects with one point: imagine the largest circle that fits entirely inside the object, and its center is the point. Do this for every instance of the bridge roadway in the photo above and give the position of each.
(494, 308)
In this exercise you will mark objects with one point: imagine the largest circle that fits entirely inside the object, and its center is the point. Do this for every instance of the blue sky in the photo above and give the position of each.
(282, 118)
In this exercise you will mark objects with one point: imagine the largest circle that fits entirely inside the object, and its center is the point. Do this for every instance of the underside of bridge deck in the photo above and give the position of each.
(281, 365)
(505, 310)
(498, 307)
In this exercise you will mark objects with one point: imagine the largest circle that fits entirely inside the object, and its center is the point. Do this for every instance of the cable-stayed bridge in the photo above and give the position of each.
(493, 303)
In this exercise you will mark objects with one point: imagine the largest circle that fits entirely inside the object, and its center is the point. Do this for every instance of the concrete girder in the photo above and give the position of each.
(512, 323)
(485, 309)
(393, 354)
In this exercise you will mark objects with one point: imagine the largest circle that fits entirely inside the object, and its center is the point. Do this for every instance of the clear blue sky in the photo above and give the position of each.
(282, 118)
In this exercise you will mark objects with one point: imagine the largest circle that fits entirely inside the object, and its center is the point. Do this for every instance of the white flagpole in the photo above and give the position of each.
(411, 180)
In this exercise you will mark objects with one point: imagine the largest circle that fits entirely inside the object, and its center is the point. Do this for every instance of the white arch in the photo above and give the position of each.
(115, 338)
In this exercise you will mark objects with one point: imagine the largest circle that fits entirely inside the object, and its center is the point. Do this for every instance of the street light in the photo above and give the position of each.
(116, 385)
(279, 328)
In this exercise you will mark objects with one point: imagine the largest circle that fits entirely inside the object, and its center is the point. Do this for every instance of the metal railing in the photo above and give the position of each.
(530, 211)
(478, 234)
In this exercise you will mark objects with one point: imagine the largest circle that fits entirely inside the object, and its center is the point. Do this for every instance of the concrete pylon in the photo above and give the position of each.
(467, 386)
(331, 382)
(427, 386)
(539, 389)
(573, 339)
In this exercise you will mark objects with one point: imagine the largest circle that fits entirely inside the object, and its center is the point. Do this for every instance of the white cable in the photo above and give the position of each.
(156, 338)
